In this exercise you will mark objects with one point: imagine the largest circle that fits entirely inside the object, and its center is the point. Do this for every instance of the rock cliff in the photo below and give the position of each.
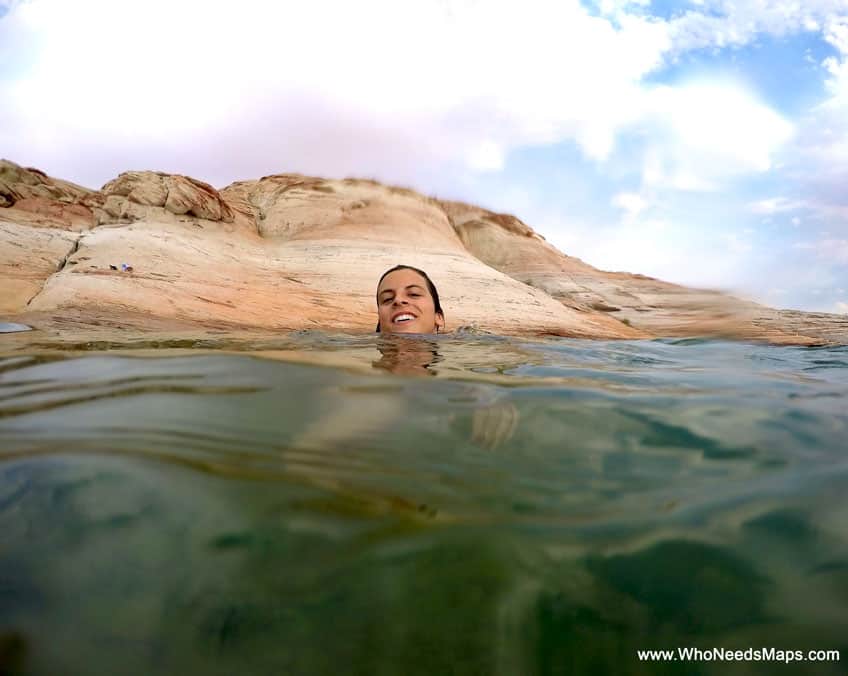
(292, 252)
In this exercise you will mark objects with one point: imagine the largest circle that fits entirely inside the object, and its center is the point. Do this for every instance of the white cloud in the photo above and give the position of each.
(816, 160)
(840, 307)
(722, 23)
(831, 250)
(774, 205)
(376, 87)
(830, 115)
(836, 33)
(487, 156)
(705, 133)
(452, 83)
(722, 120)
(620, 7)
(738, 243)
(631, 203)
(820, 155)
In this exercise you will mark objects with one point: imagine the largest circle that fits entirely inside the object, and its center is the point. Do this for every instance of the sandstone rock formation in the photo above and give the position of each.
(292, 252)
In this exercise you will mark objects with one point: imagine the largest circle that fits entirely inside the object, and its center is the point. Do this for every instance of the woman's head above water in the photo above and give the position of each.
(407, 302)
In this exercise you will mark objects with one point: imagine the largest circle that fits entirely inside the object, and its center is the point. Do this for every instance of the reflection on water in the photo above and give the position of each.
(317, 506)
(405, 355)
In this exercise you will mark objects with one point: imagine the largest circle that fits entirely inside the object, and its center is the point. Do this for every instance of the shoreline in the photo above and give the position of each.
(155, 254)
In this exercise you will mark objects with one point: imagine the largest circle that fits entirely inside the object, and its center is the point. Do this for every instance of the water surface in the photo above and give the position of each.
(457, 505)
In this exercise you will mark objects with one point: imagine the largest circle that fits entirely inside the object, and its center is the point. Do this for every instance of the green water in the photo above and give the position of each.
(462, 505)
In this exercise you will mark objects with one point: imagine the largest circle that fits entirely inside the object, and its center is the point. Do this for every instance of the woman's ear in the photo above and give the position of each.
(440, 321)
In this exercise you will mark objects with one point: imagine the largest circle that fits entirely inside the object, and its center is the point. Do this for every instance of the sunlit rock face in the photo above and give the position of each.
(129, 195)
(294, 252)
(30, 197)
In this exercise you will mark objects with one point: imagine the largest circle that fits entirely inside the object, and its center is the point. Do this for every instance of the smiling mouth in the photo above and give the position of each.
(403, 317)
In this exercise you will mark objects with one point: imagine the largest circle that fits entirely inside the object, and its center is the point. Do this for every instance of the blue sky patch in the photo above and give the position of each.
(785, 72)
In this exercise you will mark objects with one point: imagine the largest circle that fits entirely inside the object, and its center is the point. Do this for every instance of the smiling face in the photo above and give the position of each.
(404, 304)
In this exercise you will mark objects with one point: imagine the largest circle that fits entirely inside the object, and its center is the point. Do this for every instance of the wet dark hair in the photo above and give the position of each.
(430, 287)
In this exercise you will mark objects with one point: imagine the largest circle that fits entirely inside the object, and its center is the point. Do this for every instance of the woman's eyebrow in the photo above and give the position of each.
(408, 286)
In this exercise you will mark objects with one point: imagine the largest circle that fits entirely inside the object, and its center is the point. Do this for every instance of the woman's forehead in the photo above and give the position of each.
(401, 278)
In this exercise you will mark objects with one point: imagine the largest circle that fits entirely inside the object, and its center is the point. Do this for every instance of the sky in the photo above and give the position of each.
(701, 142)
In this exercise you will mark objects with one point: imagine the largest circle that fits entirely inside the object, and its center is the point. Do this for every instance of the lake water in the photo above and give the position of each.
(458, 505)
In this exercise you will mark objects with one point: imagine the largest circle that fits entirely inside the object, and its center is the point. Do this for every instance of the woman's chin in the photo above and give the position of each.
(407, 327)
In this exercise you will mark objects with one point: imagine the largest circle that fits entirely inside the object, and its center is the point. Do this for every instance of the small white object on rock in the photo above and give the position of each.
(11, 327)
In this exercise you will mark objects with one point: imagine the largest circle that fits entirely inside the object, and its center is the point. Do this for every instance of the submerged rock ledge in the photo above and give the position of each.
(157, 253)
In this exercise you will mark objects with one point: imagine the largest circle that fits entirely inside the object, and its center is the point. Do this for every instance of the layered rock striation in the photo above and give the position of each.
(152, 250)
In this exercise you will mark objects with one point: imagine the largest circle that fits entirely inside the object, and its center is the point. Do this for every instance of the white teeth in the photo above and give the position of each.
(403, 318)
